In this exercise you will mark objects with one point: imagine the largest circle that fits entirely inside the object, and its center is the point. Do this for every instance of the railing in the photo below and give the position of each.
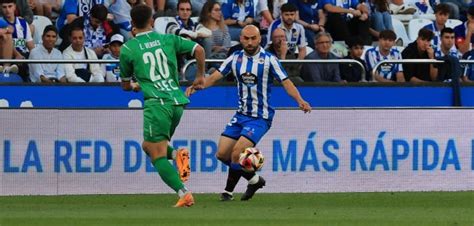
(329, 61)
(415, 61)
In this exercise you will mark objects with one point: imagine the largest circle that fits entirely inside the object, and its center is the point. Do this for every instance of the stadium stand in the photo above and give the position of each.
(40, 22)
(414, 26)
(160, 24)
(452, 23)
(400, 31)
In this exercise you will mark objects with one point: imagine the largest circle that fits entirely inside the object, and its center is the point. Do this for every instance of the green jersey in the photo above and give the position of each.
(151, 57)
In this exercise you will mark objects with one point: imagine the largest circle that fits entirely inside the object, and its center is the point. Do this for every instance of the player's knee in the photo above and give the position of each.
(222, 157)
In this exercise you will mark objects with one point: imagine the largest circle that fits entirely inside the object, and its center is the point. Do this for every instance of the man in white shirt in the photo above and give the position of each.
(81, 72)
(50, 72)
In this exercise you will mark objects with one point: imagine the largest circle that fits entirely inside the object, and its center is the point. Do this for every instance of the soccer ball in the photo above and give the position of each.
(251, 159)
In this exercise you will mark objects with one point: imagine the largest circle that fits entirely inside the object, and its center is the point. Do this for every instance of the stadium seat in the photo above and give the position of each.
(195, 19)
(10, 78)
(400, 31)
(452, 23)
(415, 25)
(40, 22)
(160, 24)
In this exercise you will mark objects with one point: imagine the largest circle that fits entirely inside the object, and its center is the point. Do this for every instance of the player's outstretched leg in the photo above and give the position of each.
(233, 178)
(255, 182)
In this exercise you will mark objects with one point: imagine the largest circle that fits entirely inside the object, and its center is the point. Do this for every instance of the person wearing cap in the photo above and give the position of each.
(465, 32)
(112, 70)
(49, 72)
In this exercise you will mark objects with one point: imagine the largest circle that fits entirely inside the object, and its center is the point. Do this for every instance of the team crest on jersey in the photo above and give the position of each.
(261, 60)
(249, 79)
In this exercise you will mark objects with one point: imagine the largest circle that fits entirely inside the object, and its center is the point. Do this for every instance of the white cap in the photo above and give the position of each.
(116, 38)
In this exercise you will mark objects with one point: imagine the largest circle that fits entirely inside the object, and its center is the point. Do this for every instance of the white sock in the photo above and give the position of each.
(254, 179)
(174, 153)
(182, 192)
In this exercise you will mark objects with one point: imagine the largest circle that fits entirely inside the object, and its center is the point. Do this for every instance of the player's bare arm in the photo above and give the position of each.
(293, 92)
(207, 82)
(200, 56)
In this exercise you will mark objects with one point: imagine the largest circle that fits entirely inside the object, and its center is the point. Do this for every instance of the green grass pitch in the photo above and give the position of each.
(327, 209)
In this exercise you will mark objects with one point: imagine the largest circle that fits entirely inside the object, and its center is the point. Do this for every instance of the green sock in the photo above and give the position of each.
(168, 174)
(169, 152)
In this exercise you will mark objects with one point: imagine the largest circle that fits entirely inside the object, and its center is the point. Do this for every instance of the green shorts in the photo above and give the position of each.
(160, 121)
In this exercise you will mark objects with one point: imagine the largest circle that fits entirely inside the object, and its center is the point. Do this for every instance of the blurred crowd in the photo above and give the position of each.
(361, 30)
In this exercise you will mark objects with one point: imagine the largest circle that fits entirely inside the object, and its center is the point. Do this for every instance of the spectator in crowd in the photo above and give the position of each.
(441, 15)
(446, 50)
(23, 10)
(21, 33)
(295, 33)
(315, 72)
(97, 29)
(237, 14)
(352, 72)
(218, 44)
(346, 19)
(468, 75)
(385, 51)
(182, 25)
(71, 10)
(311, 16)
(264, 16)
(120, 9)
(279, 48)
(419, 49)
(465, 32)
(380, 17)
(6, 47)
(112, 70)
(81, 72)
(49, 72)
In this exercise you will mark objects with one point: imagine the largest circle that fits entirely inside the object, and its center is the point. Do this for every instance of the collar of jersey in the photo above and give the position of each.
(143, 33)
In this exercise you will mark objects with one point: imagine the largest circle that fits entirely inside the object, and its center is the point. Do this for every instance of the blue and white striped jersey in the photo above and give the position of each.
(387, 71)
(254, 75)
(452, 52)
(295, 36)
(21, 34)
(437, 33)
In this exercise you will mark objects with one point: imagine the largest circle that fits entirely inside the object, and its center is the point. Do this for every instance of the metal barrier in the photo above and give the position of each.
(293, 61)
(415, 61)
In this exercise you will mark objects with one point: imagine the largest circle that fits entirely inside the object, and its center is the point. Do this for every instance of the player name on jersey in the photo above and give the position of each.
(149, 45)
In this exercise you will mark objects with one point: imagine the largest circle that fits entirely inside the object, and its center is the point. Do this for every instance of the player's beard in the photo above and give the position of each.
(251, 50)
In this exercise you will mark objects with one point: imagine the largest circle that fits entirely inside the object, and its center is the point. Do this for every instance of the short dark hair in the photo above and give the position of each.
(288, 7)
(99, 12)
(7, 1)
(447, 30)
(470, 10)
(76, 28)
(140, 14)
(426, 34)
(50, 28)
(443, 9)
(388, 34)
(183, 1)
(354, 41)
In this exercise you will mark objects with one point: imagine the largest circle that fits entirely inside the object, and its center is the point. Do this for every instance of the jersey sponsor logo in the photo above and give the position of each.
(249, 79)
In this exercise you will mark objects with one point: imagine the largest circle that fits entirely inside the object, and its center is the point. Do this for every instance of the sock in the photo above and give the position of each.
(170, 152)
(182, 192)
(254, 179)
(247, 175)
(168, 174)
(233, 178)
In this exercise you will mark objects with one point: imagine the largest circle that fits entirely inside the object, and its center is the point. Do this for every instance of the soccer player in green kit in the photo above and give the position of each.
(151, 58)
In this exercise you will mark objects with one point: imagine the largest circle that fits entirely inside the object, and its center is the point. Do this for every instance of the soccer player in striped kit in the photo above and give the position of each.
(255, 69)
